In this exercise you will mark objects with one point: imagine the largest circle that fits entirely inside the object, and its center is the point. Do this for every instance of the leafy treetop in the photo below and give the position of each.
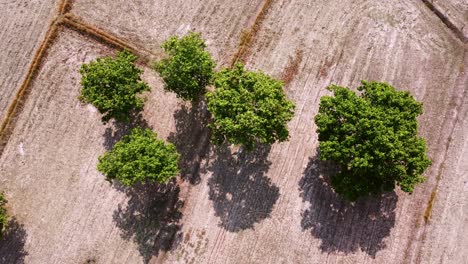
(188, 68)
(3, 215)
(112, 86)
(373, 137)
(248, 108)
(139, 157)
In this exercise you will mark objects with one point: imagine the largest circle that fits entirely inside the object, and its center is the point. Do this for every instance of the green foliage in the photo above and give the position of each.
(139, 157)
(373, 137)
(248, 108)
(188, 68)
(112, 86)
(3, 215)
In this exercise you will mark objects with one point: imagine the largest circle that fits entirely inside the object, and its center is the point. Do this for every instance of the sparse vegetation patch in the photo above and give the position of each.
(3, 215)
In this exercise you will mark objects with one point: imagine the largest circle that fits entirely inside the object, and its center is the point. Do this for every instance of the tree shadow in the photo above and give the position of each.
(340, 225)
(242, 194)
(151, 217)
(191, 138)
(117, 130)
(12, 245)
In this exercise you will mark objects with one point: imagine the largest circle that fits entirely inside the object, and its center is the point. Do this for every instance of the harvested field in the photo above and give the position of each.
(445, 238)
(24, 24)
(273, 205)
(276, 208)
(48, 169)
(149, 23)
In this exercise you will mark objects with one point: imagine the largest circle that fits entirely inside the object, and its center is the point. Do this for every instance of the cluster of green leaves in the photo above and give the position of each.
(248, 108)
(3, 215)
(139, 157)
(189, 67)
(373, 137)
(112, 86)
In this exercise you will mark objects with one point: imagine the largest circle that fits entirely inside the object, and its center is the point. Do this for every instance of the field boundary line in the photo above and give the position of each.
(13, 109)
(64, 7)
(448, 23)
(8, 122)
(77, 24)
(248, 36)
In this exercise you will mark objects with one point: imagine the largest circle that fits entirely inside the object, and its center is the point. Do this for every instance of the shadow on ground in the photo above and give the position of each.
(191, 139)
(12, 245)
(242, 194)
(117, 130)
(151, 218)
(342, 226)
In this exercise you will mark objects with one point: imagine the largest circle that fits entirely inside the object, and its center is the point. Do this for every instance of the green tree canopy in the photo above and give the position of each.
(112, 86)
(3, 215)
(248, 108)
(139, 157)
(373, 137)
(188, 69)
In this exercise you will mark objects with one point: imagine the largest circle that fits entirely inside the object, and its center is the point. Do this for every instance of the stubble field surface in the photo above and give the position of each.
(273, 205)
(24, 24)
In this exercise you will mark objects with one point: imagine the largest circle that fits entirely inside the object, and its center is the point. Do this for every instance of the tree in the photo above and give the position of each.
(248, 108)
(139, 157)
(188, 69)
(373, 138)
(112, 86)
(3, 215)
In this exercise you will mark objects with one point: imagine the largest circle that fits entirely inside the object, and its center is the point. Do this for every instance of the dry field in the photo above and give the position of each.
(23, 26)
(148, 23)
(279, 211)
(454, 12)
(270, 206)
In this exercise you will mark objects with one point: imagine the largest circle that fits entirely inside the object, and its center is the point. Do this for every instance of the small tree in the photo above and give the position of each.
(373, 137)
(112, 86)
(3, 215)
(139, 157)
(248, 108)
(188, 68)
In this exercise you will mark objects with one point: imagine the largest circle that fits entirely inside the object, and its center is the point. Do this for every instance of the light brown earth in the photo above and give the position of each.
(446, 239)
(23, 26)
(149, 23)
(270, 206)
(455, 12)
